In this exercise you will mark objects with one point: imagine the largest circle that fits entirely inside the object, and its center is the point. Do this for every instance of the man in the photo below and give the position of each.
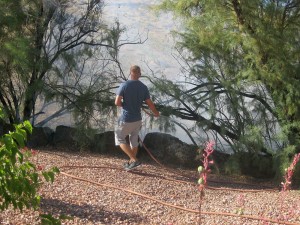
(130, 96)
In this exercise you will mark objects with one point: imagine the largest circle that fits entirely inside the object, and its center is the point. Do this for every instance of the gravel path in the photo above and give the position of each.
(148, 195)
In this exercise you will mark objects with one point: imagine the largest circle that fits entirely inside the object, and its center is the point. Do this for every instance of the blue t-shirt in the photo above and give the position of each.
(134, 93)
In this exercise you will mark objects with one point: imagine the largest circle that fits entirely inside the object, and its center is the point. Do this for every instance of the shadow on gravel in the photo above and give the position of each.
(88, 213)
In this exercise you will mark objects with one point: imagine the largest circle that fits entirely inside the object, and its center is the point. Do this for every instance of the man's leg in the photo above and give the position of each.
(134, 151)
(121, 132)
(134, 137)
(128, 151)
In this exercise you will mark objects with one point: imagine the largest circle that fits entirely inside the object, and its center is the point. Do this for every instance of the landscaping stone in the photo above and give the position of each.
(40, 137)
(171, 150)
(64, 136)
(105, 143)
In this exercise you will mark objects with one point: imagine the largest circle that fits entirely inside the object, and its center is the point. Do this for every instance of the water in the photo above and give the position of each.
(156, 54)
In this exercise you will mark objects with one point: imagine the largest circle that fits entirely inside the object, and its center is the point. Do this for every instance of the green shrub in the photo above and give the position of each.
(232, 165)
(251, 164)
(20, 179)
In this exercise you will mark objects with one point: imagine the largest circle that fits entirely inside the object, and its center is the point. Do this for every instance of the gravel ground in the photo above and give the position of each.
(149, 195)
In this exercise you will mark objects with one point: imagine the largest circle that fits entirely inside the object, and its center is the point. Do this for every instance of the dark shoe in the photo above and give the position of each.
(125, 165)
(133, 165)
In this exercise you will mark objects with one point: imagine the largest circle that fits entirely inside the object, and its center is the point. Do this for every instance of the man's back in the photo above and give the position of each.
(134, 93)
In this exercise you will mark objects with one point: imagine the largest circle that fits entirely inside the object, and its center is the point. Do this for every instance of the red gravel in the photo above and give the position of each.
(147, 195)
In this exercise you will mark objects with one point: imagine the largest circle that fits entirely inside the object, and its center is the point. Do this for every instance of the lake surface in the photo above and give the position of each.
(141, 21)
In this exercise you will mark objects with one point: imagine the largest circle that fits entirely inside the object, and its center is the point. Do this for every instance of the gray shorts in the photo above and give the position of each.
(132, 129)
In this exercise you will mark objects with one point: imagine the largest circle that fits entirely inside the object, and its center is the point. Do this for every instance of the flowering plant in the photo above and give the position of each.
(204, 170)
(289, 173)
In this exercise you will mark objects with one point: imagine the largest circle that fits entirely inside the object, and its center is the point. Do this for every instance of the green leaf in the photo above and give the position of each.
(48, 219)
(55, 170)
(21, 157)
(19, 138)
(65, 217)
(35, 177)
(51, 175)
(22, 132)
(28, 126)
(8, 142)
(46, 176)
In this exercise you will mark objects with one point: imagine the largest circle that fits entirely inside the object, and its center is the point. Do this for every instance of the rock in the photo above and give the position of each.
(64, 136)
(41, 136)
(171, 150)
(104, 143)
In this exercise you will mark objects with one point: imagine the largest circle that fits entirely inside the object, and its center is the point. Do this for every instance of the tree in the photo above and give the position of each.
(242, 59)
(54, 52)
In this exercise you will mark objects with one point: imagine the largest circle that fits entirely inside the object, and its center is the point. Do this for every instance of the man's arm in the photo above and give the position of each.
(152, 107)
(118, 100)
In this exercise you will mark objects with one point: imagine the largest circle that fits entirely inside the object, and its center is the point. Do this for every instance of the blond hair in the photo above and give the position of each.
(135, 71)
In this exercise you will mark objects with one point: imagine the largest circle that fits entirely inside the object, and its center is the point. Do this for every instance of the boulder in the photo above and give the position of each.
(169, 149)
(64, 136)
(104, 143)
(41, 136)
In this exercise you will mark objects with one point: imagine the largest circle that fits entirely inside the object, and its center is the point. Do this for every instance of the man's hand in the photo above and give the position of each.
(155, 114)
(152, 107)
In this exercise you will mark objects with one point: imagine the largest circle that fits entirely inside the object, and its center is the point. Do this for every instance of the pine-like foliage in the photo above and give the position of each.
(57, 53)
(242, 71)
